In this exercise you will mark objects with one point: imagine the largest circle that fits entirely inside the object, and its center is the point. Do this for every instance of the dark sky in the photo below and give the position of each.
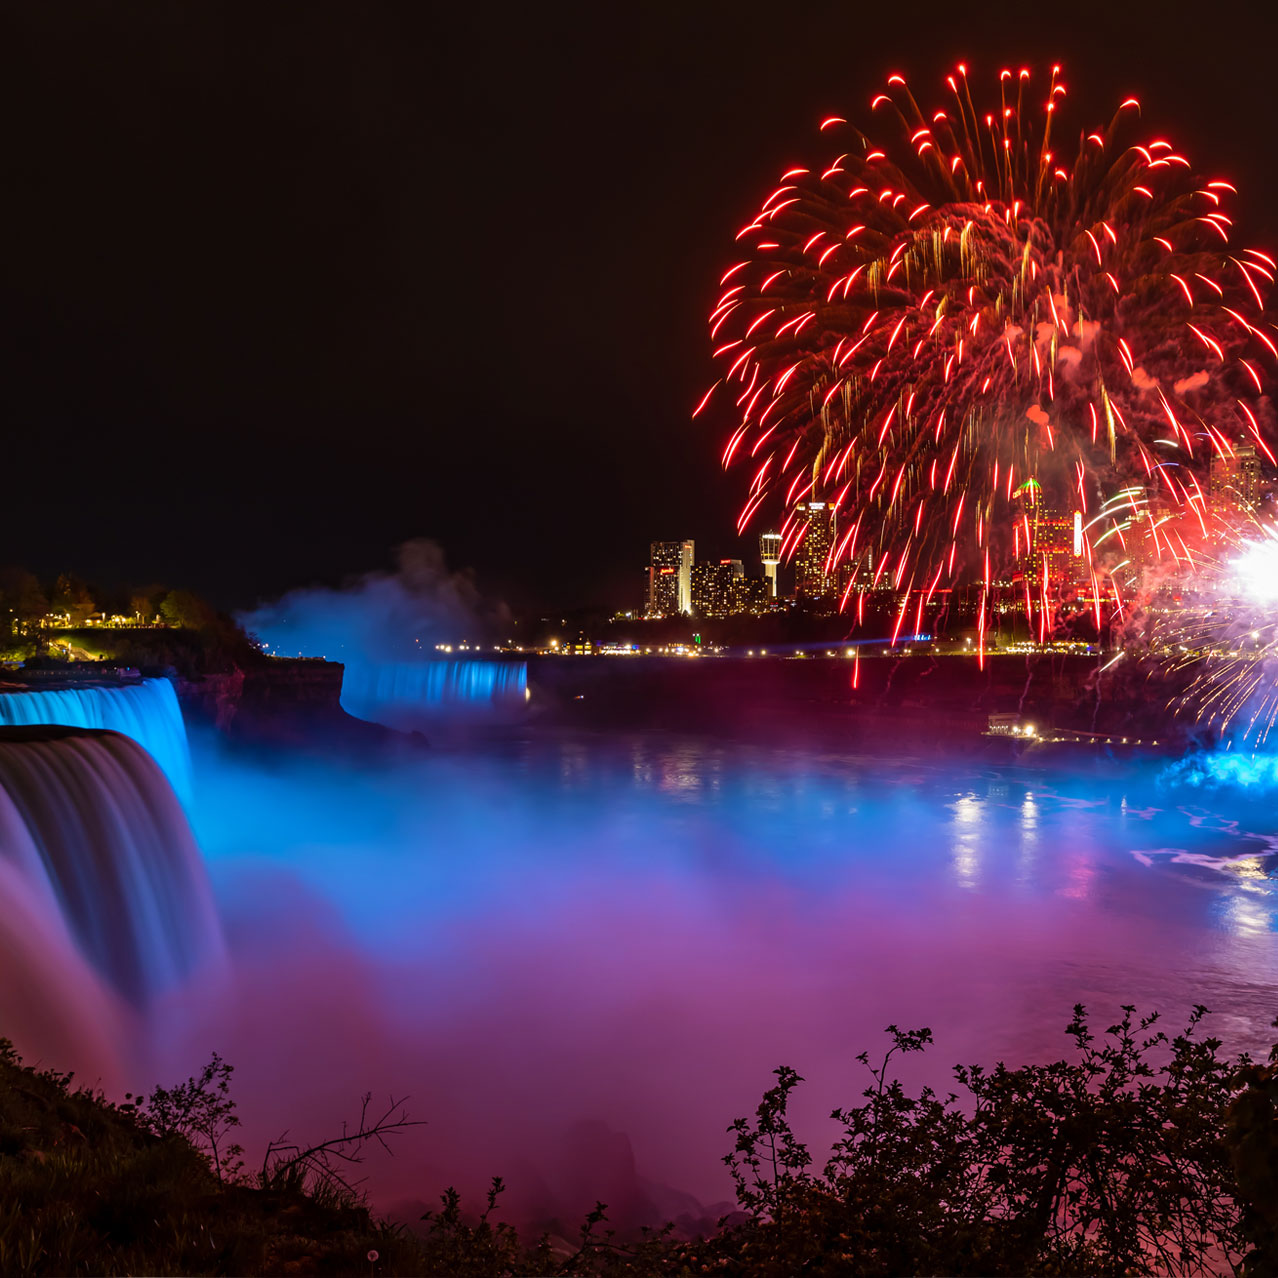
(285, 284)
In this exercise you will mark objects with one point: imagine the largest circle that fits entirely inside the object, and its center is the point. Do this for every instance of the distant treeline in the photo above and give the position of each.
(52, 620)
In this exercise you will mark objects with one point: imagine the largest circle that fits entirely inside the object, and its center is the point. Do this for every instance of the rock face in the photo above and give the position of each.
(281, 702)
(278, 688)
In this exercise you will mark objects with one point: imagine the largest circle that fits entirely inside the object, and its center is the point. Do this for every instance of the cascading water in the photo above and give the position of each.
(97, 836)
(416, 694)
(147, 711)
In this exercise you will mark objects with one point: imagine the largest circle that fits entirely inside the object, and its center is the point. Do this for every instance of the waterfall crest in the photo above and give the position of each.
(91, 826)
(415, 694)
(147, 711)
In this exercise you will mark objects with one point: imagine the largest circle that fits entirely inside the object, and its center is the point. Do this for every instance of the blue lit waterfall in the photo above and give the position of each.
(415, 694)
(147, 711)
(97, 839)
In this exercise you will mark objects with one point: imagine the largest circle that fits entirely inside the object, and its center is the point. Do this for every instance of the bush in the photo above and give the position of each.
(1141, 1154)
(1112, 1163)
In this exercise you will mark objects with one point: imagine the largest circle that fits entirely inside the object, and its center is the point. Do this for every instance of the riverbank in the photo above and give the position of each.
(907, 701)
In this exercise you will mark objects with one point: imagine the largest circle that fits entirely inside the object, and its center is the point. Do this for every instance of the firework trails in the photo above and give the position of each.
(1226, 636)
(948, 334)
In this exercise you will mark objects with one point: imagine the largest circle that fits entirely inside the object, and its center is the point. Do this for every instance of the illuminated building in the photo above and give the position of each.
(1140, 544)
(770, 554)
(813, 583)
(1050, 538)
(1053, 545)
(1235, 481)
(669, 578)
(756, 596)
(861, 574)
(718, 588)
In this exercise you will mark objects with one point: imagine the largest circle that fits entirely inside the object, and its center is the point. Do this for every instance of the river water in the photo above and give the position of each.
(581, 954)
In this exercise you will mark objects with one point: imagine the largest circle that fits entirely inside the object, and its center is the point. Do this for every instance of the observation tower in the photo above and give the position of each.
(770, 553)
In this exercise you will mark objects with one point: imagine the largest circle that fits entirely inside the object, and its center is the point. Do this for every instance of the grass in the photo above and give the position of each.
(85, 1188)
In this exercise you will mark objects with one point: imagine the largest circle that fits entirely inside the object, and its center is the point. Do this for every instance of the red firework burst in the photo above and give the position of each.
(948, 335)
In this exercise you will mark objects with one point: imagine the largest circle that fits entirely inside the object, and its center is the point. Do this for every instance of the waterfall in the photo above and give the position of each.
(147, 711)
(412, 694)
(95, 833)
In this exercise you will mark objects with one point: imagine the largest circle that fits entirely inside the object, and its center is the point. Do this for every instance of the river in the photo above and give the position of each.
(582, 953)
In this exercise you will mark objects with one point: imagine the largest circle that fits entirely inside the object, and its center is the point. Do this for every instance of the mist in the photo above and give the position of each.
(581, 959)
(382, 616)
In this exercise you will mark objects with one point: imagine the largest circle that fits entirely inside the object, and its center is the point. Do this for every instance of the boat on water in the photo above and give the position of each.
(1026, 737)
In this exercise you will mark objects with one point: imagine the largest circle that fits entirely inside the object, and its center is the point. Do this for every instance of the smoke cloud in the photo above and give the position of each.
(1070, 357)
(381, 616)
(1086, 330)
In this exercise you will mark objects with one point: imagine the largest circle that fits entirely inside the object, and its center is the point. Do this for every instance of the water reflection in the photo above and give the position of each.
(967, 813)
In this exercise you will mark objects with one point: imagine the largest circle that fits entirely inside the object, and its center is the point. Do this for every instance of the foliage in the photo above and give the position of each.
(186, 610)
(1111, 1163)
(73, 597)
(485, 1248)
(145, 601)
(488, 1249)
(89, 1187)
(202, 1112)
(21, 595)
(1140, 1154)
(1252, 1138)
(324, 1168)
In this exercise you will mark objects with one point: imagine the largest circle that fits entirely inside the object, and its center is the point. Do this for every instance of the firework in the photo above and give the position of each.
(959, 332)
(1222, 627)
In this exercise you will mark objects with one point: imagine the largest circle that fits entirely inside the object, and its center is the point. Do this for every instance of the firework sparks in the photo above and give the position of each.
(1256, 570)
(1225, 632)
(915, 330)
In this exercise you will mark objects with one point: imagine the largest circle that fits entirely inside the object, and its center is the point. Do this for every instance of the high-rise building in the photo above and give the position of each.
(717, 589)
(1056, 534)
(1050, 537)
(757, 597)
(669, 578)
(813, 582)
(1138, 519)
(1235, 482)
(770, 554)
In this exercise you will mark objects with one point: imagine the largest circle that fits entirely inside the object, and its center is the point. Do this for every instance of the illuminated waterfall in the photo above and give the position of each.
(100, 843)
(147, 711)
(413, 694)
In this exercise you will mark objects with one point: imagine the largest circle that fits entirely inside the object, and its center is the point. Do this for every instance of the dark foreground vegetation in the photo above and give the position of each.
(1139, 1154)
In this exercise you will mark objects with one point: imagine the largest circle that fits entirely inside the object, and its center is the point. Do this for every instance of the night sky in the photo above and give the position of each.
(287, 284)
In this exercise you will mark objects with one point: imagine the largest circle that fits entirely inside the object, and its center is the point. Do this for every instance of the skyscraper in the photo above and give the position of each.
(1235, 481)
(670, 578)
(717, 589)
(813, 583)
(770, 554)
(1058, 547)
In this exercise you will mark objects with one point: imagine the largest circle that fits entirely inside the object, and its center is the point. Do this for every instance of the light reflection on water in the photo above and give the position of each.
(641, 927)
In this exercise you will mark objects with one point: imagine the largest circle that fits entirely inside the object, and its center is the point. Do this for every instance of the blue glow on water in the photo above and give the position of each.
(1225, 769)
(147, 711)
(640, 926)
(494, 833)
